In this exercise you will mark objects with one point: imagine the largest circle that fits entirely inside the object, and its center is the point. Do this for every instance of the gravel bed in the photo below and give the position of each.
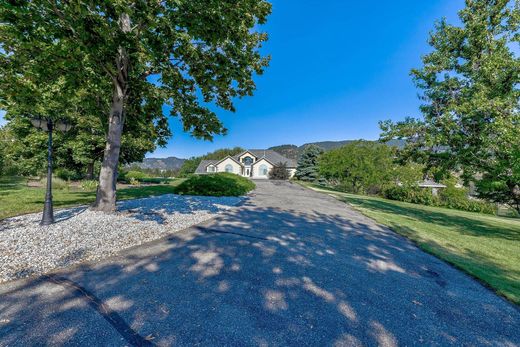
(26, 248)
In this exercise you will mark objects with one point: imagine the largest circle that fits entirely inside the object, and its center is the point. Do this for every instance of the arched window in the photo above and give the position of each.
(247, 161)
(229, 168)
(262, 170)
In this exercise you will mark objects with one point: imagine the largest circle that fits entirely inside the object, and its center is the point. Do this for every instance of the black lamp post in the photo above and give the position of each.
(47, 124)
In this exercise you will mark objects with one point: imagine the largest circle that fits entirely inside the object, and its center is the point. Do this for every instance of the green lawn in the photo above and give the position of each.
(17, 198)
(484, 246)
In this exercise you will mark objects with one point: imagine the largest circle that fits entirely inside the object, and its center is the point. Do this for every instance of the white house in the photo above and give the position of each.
(253, 163)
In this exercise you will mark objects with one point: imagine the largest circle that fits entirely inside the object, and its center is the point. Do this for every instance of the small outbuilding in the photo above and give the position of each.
(430, 184)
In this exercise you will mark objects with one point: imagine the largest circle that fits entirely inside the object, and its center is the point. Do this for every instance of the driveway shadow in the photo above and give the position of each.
(262, 276)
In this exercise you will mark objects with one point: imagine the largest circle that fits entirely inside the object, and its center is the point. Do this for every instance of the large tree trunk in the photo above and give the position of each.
(106, 192)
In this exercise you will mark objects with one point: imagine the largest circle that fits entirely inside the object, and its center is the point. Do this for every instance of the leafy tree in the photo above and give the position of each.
(359, 167)
(190, 165)
(471, 100)
(307, 169)
(137, 56)
(80, 150)
(279, 172)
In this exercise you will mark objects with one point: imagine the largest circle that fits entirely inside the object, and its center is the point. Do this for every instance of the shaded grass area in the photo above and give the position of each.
(17, 198)
(486, 247)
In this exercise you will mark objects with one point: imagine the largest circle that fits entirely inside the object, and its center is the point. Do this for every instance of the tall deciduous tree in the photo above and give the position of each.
(359, 167)
(471, 100)
(184, 54)
(307, 169)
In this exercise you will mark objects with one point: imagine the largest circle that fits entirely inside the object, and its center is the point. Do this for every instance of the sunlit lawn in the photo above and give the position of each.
(486, 247)
(17, 198)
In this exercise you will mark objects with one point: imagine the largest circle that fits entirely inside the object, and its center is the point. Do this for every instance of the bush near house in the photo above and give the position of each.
(219, 184)
(279, 172)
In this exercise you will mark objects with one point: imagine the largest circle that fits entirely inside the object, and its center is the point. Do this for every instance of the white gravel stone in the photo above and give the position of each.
(26, 248)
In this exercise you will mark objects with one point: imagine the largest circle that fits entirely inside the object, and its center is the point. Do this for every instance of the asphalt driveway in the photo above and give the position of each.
(289, 267)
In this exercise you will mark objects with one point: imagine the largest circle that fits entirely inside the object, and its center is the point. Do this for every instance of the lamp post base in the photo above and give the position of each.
(48, 213)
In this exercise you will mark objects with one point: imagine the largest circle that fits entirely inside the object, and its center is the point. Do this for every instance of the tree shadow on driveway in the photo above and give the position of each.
(261, 276)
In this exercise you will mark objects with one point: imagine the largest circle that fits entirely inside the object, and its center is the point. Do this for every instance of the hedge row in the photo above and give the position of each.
(454, 198)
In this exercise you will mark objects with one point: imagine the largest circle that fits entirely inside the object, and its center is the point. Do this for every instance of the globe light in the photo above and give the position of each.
(40, 123)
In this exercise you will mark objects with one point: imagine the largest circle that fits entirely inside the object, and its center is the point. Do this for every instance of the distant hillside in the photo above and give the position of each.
(293, 151)
(170, 163)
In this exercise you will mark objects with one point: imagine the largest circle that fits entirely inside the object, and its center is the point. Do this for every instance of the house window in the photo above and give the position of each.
(211, 168)
(247, 161)
(229, 168)
(263, 170)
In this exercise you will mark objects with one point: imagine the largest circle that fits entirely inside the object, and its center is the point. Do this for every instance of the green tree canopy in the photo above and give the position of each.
(471, 100)
(359, 167)
(307, 169)
(136, 57)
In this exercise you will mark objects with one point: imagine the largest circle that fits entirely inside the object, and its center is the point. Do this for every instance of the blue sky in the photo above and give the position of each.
(338, 67)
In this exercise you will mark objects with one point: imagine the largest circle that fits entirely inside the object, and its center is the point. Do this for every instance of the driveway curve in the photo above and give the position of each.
(288, 267)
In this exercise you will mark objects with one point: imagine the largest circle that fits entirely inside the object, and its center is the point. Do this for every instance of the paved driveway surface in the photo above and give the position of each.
(289, 267)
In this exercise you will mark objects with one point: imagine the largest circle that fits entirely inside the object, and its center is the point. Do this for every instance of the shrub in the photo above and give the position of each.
(219, 184)
(156, 180)
(66, 174)
(412, 194)
(279, 172)
(138, 175)
(57, 183)
(134, 181)
(128, 176)
(89, 185)
(450, 197)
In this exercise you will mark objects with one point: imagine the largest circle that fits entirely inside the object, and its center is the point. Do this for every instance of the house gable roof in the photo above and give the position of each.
(265, 159)
(269, 155)
(272, 156)
(203, 166)
(229, 157)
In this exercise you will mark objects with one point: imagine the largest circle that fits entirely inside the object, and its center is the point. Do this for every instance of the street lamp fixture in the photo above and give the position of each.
(48, 125)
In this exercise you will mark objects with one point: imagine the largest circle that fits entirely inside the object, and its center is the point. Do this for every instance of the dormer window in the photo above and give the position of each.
(247, 160)
(211, 168)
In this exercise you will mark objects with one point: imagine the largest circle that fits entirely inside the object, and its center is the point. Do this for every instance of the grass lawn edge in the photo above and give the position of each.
(124, 194)
(514, 300)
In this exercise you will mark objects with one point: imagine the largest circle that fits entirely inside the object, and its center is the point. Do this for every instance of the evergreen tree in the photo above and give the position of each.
(307, 169)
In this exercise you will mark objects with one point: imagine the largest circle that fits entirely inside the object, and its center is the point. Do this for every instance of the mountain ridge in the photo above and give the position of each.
(288, 150)
(293, 152)
(169, 163)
